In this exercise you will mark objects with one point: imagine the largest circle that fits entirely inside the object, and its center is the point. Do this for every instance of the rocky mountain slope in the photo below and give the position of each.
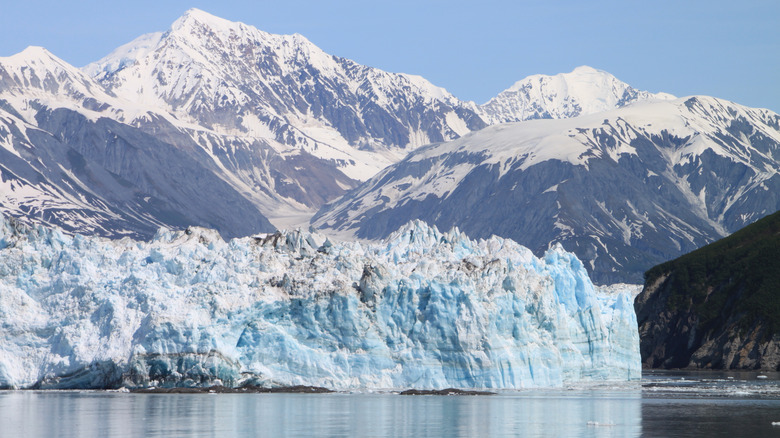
(235, 79)
(717, 307)
(71, 154)
(113, 157)
(624, 189)
(253, 126)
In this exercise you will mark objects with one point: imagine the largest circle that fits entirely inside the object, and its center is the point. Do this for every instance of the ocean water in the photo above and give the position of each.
(661, 405)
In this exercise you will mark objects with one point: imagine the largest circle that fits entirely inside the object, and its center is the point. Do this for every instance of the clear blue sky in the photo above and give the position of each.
(727, 49)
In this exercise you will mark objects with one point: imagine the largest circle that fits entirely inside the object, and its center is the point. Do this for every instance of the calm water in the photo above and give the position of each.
(663, 405)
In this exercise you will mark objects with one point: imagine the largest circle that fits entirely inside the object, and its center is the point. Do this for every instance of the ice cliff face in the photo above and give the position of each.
(424, 309)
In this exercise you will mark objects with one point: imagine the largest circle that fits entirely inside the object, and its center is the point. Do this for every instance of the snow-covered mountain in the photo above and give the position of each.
(235, 79)
(71, 154)
(211, 123)
(216, 123)
(424, 309)
(583, 91)
(624, 189)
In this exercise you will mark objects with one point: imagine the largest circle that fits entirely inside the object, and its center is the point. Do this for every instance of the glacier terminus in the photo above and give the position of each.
(421, 309)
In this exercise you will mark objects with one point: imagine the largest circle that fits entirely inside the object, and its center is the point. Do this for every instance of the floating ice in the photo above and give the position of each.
(424, 309)
(597, 424)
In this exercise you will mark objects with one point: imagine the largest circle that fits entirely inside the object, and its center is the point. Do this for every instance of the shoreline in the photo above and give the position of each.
(249, 389)
(652, 381)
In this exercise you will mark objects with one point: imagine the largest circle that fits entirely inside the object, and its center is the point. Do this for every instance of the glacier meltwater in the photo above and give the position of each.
(423, 309)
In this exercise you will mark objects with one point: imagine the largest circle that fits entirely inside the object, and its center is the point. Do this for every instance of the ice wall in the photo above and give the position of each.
(423, 309)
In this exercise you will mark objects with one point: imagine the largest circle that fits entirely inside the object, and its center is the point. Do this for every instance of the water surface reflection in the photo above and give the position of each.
(535, 413)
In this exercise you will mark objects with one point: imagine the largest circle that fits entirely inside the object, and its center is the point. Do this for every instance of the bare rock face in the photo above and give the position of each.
(739, 351)
(672, 338)
(715, 308)
(664, 335)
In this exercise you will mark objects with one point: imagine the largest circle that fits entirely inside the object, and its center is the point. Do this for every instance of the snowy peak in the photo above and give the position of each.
(585, 90)
(234, 79)
(201, 29)
(202, 25)
(124, 55)
(195, 15)
(202, 40)
(35, 74)
(36, 67)
(235, 42)
(28, 54)
(34, 61)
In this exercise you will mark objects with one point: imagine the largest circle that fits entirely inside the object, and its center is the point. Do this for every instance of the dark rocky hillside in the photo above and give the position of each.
(717, 307)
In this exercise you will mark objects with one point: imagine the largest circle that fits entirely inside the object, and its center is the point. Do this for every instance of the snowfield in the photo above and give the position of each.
(423, 309)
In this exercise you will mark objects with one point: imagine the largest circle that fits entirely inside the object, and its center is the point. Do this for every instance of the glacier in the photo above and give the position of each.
(422, 309)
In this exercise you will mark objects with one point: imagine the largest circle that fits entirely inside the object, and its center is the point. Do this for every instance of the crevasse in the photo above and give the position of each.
(422, 309)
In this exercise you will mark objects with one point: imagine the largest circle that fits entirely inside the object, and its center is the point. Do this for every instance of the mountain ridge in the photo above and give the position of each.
(623, 189)
(283, 126)
(583, 91)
